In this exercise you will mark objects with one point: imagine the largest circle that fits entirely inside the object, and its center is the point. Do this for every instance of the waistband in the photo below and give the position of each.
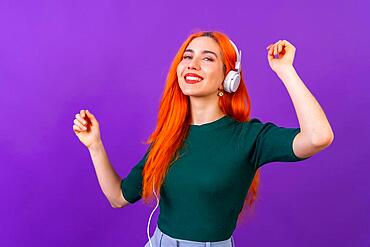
(164, 238)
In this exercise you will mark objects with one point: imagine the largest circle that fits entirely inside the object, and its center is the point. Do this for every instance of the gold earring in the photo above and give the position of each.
(220, 93)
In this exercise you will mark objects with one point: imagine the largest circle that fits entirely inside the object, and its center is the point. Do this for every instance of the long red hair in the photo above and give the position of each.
(174, 117)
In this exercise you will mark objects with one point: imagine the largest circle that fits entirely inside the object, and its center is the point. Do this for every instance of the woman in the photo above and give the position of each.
(205, 152)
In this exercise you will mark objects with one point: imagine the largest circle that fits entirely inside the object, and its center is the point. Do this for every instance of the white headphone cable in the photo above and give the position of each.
(147, 229)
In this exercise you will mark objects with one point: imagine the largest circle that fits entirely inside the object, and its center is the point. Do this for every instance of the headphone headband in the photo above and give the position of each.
(238, 56)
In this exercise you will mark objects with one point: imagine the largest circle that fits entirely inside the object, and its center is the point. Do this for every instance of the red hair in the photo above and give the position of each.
(174, 118)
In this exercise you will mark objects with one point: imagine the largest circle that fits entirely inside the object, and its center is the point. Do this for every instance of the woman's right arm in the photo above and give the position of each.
(86, 127)
(109, 180)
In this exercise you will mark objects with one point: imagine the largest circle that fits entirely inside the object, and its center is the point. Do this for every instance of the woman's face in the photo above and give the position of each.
(200, 72)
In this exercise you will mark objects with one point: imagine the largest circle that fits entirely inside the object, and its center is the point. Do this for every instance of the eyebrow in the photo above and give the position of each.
(203, 52)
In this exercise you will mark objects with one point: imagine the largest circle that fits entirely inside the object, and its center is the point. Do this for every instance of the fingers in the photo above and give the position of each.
(81, 119)
(270, 55)
(80, 122)
(82, 112)
(276, 48)
(84, 120)
(79, 125)
(272, 50)
(77, 129)
(90, 115)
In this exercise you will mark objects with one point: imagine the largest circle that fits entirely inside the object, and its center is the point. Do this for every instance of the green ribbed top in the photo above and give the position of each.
(205, 188)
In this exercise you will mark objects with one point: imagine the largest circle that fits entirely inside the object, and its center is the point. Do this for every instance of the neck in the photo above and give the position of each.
(205, 109)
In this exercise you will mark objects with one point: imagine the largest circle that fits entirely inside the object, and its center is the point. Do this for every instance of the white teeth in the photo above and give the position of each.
(191, 78)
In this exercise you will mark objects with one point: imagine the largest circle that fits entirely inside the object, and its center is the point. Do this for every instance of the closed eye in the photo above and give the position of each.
(209, 59)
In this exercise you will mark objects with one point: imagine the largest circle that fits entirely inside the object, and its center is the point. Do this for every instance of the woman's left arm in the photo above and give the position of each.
(316, 133)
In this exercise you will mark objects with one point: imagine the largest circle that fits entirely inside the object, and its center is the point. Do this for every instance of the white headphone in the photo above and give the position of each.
(232, 79)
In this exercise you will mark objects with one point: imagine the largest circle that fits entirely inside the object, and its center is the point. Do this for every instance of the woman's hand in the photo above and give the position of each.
(285, 55)
(86, 127)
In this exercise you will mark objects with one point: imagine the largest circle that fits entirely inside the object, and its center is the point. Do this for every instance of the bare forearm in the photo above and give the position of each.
(108, 179)
(312, 119)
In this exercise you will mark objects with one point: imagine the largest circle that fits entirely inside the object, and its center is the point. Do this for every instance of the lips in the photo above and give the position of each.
(192, 78)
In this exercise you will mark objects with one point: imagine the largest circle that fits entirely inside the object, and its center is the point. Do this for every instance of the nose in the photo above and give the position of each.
(193, 64)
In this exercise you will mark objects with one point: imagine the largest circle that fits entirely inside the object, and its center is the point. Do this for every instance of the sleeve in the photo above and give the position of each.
(131, 185)
(274, 143)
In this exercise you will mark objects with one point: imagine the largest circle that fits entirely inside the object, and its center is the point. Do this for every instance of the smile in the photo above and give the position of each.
(192, 79)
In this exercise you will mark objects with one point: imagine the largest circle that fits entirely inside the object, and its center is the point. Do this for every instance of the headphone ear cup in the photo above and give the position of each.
(227, 81)
(235, 83)
(232, 81)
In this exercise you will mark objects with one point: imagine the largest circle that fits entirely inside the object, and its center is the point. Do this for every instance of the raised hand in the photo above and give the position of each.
(86, 127)
(284, 51)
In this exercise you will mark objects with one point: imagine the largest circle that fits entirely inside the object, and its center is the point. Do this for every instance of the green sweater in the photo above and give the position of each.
(205, 188)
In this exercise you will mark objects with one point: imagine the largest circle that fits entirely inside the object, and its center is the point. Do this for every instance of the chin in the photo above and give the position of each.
(194, 94)
(187, 93)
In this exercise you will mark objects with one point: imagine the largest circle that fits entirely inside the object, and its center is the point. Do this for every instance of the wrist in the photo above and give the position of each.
(286, 72)
(96, 146)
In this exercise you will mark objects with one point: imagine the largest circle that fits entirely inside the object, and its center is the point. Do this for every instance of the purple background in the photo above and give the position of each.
(112, 57)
